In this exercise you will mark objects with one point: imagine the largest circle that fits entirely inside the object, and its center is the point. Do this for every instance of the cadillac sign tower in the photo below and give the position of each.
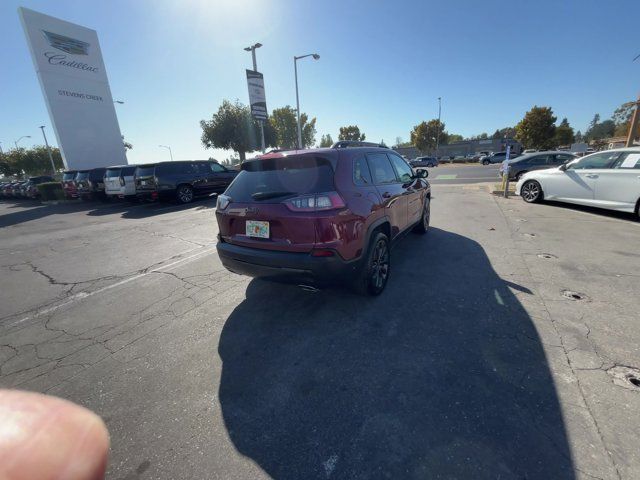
(74, 82)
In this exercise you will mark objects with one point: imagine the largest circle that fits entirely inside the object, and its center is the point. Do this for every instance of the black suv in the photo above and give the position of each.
(182, 180)
(90, 183)
(31, 187)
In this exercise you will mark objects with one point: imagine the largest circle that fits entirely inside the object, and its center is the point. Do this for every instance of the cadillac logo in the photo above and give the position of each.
(67, 44)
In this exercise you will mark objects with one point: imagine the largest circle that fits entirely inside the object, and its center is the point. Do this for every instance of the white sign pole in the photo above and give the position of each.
(74, 83)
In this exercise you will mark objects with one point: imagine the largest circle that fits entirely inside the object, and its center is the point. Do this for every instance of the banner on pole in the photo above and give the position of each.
(257, 99)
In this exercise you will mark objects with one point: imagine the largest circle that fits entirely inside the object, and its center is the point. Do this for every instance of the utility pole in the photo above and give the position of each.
(295, 69)
(438, 134)
(252, 49)
(634, 124)
(53, 166)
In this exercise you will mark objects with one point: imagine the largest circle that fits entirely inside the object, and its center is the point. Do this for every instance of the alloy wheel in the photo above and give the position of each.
(380, 265)
(530, 192)
(185, 194)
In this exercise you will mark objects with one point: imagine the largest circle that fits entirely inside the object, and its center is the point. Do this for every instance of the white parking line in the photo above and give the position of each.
(82, 295)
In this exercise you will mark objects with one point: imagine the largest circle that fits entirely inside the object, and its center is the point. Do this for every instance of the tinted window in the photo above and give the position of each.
(127, 171)
(404, 171)
(287, 176)
(381, 169)
(361, 174)
(597, 160)
(68, 176)
(113, 172)
(538, 160)
(146, 171)
(559, 159)
(216, 167)
(82, 175)
(628, 160)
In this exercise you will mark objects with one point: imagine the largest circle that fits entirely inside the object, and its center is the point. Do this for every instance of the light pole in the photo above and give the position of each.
(252, 49)
(295, 69)
(121, 102)
(169, 148)
(24, 136)
(438, 134)
(53, 167)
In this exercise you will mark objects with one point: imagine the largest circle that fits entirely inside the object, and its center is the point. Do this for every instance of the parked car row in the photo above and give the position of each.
(23, 188)
(537, 161)
(180, 180)
(608, 179)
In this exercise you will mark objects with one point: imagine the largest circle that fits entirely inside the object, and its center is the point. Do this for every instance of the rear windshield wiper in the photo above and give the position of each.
(267, 195)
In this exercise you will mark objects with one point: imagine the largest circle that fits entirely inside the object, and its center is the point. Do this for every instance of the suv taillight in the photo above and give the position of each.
(315, 203)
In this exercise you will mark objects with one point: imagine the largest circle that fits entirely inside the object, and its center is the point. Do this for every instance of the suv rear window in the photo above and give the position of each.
(68, 176)
(127, 171)
(82, 175)
(286, 176)
(146, 171)
(113, 172)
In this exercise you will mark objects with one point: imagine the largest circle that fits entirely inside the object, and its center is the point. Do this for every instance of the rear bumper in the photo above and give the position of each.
(288, 267)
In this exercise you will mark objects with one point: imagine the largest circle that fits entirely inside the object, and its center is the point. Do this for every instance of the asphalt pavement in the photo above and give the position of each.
(498, 349)
(466, 173)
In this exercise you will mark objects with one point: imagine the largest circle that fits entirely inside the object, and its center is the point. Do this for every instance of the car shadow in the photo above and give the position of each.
(596, 211)
(442, 376)
(29, 210)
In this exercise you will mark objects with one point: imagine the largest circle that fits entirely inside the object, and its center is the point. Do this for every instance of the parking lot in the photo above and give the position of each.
(503, 346)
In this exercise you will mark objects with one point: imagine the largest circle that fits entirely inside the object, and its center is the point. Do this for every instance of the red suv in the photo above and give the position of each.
(321, 217)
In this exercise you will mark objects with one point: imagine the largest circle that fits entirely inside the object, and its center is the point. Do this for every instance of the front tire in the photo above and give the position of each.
(377, 266)
(184, 194)
(486, 162)
(531, 192)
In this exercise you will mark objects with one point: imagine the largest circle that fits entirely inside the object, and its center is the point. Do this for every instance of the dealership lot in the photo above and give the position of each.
(498, 349)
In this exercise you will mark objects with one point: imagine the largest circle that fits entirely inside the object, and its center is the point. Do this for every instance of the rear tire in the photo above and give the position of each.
(486, 162)
(531, 192)
(422, 226)
(184, 194)
(377, 266)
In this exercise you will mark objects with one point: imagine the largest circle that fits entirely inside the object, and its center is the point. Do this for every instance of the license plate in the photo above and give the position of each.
(257, 229)
(143, 182)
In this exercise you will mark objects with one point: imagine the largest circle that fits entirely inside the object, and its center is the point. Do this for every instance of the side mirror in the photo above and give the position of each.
(563, 167)
(421, 173)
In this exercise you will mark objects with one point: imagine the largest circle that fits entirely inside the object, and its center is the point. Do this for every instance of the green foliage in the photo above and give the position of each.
(622, 118)
(50, 191)
(30, 161)
(232, 127)
(496, 134)
(425, 135)
(537, 129)
(579, 138)
(326, 141)
(352, 132)
(600, 130)
(284, 123)
(564, 133)
(451, 138)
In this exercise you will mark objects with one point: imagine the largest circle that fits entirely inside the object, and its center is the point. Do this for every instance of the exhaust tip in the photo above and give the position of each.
(309, 288)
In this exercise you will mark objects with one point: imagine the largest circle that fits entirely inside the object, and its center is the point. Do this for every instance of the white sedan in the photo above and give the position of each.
(609, 179)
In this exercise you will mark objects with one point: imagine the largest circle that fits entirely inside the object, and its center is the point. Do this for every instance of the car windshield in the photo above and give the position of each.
(275, 178)
(68, 176)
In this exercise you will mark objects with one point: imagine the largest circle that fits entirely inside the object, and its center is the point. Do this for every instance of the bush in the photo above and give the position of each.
(51, 191)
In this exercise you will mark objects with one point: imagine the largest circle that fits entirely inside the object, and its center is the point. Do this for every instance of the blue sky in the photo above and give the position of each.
(382, 66)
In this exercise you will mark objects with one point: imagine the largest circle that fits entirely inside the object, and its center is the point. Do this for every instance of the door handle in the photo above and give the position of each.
(593, 175)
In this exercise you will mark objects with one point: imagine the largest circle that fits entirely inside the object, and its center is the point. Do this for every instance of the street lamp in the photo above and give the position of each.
(169, 148)
(53, 167)
(252, 49)
(24, 136)
(438, 134)
(118, 101)
(295, 69)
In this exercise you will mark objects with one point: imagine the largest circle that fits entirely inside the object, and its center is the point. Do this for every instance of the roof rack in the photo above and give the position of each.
(356, 143)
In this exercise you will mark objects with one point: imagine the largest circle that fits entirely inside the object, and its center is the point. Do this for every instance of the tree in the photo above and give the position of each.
(326, 141)
(564, 133)
(496, 134)
(601, 130)
(352, 132)
(285, 125)
(622, 118)
(424, 135)
(232, 127)
(537, 128)
(595, 121)
(399, 141)
(451, 138)
(32, 161)
(579, 138)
